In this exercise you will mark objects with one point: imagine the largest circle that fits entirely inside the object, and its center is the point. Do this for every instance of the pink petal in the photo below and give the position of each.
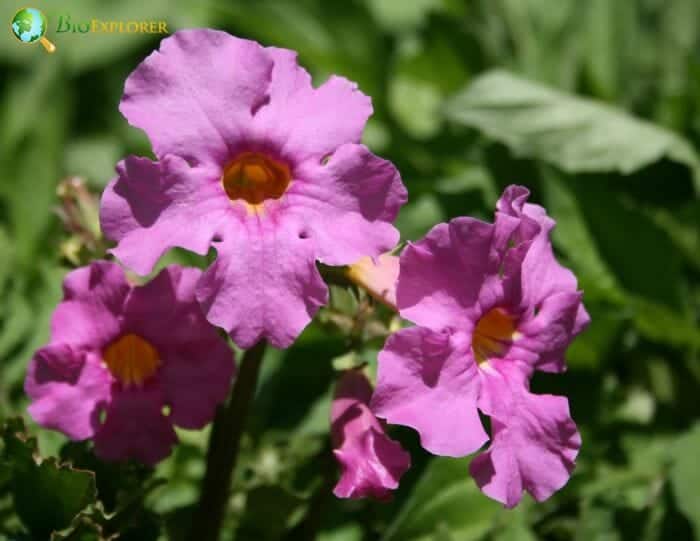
(348, 204)
(552, 329)
(197, 364)
(93, 300)
(309, 123)
(151, 207)
(166, 304)
(428, 380)
(197, 93)
(534, 440)
(371, 462)
(446, 277)
(136, 428)
(379, 279)
(264, 282)
(68, 388)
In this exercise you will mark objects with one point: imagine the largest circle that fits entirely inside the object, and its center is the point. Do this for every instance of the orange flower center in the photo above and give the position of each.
(253, 177)
(495, 330)
(131, 359)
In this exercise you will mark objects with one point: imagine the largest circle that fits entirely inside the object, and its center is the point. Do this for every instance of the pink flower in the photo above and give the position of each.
(492, 305)
(377, 277)
(257, 163)
(371, 463)
(125, 364)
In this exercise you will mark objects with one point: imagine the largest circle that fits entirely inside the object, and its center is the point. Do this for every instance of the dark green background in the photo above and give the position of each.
(619, 173)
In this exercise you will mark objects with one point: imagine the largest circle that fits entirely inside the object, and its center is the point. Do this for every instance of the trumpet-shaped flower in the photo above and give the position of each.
(125, 364)
(371, 463)
(258, 164)
(492, 305)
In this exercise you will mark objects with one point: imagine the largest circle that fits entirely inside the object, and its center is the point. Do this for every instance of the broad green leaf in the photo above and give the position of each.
(638, 252)
(685, 476)
(576, 134)
(659, 323)
(47, 495)
(445, 499)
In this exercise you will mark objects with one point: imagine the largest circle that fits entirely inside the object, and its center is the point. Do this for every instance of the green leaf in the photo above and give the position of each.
(47, 495)
(119, 484)
(572, 236)
(445, 499)
(658, 322)
(685, 476)
(578, 135)
(83, 528)
(645, 263)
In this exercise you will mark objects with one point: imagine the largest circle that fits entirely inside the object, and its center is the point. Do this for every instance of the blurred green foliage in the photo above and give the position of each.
(595, 106)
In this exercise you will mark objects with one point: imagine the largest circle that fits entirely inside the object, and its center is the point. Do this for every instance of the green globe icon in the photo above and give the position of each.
(29, 26)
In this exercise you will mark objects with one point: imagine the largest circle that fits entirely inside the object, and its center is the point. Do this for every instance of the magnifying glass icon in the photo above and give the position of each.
(29, 26)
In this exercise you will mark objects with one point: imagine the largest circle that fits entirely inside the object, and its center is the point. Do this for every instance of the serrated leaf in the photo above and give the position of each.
(83, 528)
(119, 484)
(576, 134)
(64, 491)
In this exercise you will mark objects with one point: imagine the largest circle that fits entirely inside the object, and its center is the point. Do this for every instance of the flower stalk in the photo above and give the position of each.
(224, 444)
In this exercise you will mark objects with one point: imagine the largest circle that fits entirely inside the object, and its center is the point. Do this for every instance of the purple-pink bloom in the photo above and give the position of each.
(124, 364)
(257, 163)
(371, 462)
(492, 305)
(377, 276)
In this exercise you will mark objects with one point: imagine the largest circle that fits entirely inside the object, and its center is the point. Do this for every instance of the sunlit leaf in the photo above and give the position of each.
(576, 134)
(446, 498)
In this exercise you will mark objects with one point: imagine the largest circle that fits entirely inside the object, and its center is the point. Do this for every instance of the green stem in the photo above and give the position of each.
(224, 444)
